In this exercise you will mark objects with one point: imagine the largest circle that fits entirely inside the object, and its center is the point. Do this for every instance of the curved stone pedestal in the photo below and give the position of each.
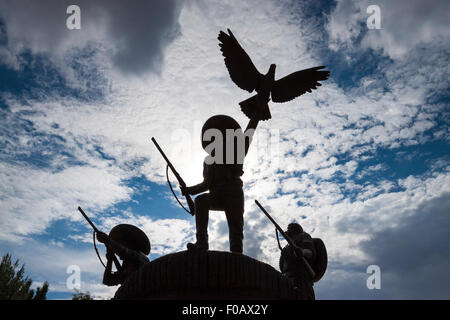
(213, 275)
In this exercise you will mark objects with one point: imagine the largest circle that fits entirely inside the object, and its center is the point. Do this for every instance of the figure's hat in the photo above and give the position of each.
(131, 237)
(293, 229)
(220, 122)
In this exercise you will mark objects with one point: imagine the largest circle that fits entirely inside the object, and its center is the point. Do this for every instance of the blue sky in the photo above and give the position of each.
(362, 162)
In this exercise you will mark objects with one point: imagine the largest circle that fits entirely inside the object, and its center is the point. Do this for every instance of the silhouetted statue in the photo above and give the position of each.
(292, 267)
(131, 245)
(245, 75)
(222, 171)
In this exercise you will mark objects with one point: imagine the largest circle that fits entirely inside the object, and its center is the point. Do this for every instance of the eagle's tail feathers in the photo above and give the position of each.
(254, 109)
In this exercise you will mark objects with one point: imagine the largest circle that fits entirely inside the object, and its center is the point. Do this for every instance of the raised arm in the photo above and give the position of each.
(110, 278)
(249, 132)
(123, 252)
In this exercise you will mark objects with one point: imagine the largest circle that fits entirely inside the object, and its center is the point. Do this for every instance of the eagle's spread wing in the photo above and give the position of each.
(297, 83)
(240, 67)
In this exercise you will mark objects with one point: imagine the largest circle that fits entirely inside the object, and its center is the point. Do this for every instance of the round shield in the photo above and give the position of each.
(321, 260)
(131, 237)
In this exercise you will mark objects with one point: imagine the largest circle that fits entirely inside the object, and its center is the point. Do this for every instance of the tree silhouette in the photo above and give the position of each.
(14, 285)
(82, 296)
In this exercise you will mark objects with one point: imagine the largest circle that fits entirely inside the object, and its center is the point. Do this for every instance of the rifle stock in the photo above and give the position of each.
(178, 177)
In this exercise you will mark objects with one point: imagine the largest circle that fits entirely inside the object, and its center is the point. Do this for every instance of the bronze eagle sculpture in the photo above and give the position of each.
(245, 75)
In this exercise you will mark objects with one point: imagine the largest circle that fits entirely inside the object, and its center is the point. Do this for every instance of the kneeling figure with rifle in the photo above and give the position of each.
(290, 264)
(131, 245)
(304, 260)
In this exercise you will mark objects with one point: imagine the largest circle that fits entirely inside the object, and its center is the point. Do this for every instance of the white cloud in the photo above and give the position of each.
(135, 33)
(405, 24)
(165, 235)
(32, 198)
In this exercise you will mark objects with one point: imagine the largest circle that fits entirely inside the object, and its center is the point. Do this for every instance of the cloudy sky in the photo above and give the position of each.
(362, 163)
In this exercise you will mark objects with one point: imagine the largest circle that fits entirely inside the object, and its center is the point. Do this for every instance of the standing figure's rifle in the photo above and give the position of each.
(116, 262)
(180, 181)
(298, 252)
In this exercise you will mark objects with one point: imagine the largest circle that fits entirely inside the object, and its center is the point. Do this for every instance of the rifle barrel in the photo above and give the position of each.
(160, 151)
(116, 262)
(274, 222)
(87, 219)
(180, 180)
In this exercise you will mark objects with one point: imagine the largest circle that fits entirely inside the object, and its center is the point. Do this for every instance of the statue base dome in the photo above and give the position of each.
(207, 275)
